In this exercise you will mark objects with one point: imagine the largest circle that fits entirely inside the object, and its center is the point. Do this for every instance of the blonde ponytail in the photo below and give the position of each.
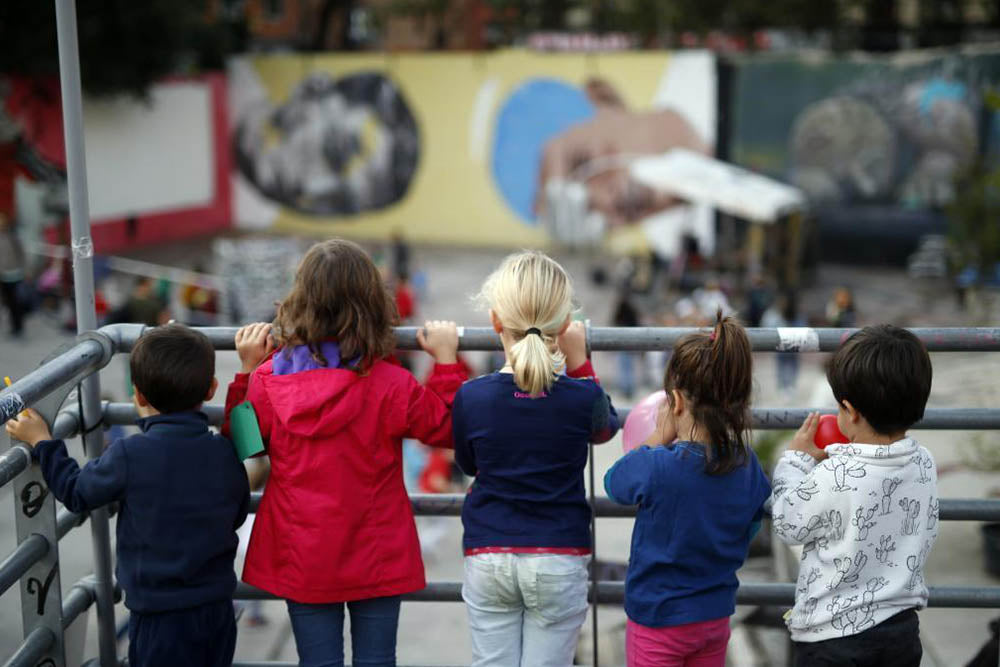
(535, 363)
(533, 298)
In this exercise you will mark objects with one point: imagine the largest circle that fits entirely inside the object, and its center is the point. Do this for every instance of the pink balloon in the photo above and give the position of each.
(641, 421)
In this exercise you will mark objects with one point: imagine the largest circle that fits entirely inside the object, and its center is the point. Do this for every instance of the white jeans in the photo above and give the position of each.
(525, 609)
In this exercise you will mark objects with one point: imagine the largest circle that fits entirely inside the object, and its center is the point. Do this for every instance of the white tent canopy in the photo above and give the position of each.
(704, 180)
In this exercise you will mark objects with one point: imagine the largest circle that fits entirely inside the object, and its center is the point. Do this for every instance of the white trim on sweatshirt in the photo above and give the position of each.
(867, 518)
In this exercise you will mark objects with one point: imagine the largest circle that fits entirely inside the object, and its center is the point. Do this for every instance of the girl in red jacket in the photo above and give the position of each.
(335, 525)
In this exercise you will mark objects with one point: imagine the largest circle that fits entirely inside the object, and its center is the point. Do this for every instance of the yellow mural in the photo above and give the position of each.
(510, 148)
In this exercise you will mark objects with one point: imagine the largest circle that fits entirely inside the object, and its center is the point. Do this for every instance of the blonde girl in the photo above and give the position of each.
(523, 432)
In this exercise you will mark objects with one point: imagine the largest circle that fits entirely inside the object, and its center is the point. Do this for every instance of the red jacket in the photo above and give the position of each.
(335, 522)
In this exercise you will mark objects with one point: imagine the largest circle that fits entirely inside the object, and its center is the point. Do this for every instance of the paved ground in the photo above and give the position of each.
(435, 633)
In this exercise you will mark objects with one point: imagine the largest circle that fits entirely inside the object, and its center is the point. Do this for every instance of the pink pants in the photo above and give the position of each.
(701, 644)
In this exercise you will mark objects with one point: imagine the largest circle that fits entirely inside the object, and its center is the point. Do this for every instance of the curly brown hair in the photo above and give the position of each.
(339, 295)
(715, 373)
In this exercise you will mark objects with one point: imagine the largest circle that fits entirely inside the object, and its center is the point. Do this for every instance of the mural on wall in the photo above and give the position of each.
(507, 148)
(561, 156)
(893, 131)
(336, 146)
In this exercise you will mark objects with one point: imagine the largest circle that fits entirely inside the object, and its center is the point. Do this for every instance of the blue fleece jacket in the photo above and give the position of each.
(183, 494)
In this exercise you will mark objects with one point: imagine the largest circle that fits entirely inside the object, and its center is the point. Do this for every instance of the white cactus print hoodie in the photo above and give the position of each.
(867, 517)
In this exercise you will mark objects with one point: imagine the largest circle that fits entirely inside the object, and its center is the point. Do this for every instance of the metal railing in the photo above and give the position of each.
(45, 615)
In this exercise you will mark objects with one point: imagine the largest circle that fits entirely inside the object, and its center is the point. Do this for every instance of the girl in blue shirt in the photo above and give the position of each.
(700, 492)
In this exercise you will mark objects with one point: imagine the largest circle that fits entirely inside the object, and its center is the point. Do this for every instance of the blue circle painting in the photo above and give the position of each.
(533, 113)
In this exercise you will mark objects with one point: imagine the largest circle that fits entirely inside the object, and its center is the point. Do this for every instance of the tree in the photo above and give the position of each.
(973, 222)
(124, 45)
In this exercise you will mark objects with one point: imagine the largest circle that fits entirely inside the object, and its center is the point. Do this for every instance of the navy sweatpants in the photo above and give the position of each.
(202, 636)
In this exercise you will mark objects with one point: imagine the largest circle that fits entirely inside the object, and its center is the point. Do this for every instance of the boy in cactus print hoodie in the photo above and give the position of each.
(866, 512)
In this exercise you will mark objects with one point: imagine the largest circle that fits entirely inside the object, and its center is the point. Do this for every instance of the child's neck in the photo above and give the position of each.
(868, 436)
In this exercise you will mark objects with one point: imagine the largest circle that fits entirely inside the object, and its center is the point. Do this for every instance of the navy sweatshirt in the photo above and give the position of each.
(528, 455)
(183, 494)
(691, 532)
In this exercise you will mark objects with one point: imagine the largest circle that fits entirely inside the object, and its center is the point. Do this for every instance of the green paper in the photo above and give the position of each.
(245, 431)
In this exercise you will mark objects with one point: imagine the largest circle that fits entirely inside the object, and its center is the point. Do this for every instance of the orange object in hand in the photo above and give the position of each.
(828, 433)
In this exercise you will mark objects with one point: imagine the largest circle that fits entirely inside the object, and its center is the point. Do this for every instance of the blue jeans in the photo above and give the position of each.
(319, 632)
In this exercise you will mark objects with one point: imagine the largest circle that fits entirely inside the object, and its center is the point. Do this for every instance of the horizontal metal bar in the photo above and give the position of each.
(87, 356)
(67, 424)
(764, 594)
(939, 419)
(32, 649)
(12, 463)
(79, 599)
(67, 521)
(763, 418)
(937, 339)
(21, 559)
(450, 504)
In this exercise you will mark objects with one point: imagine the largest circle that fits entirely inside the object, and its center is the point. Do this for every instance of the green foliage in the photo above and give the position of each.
(124, 45)
(982, 453)
(768, 446)
(973, 218)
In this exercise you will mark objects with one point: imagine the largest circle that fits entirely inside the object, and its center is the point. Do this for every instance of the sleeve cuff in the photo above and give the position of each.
(586, 369)
(44, 447)
(448, 368)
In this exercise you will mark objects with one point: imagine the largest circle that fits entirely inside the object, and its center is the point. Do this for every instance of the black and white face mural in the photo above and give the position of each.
(336, 146)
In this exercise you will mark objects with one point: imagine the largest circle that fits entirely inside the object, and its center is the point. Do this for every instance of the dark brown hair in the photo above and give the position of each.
(714, 371)
(339, 295)
(173, 367)
(885, 373)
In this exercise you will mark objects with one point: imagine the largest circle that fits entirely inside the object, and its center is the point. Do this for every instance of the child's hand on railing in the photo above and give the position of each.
(573, 343)
(29, 428)
(253, 344)
(439, 338)
(804, 438)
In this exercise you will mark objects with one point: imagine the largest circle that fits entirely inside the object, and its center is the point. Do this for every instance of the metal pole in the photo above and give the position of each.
(86, 315)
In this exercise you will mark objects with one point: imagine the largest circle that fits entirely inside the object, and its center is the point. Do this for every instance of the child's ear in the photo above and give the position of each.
(677, 404)
(211, 389)
(565, 325)
(852, 413)
(495, 321)
(140, 399)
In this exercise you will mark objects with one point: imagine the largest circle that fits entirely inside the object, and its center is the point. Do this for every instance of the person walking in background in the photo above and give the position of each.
(335, 525)
(784, 313)
(142, 306)
(523, 433)
(626, 315)
(840, 310)
(11, 273)
(700, 492)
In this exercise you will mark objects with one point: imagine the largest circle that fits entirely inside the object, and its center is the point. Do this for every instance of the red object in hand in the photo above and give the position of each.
(828, 433)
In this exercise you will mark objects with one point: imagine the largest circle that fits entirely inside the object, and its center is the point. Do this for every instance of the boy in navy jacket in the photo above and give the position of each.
(183, 494)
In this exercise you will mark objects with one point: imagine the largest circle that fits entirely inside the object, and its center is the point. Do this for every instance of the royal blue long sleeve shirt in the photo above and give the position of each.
(182, 492)
(691, 533)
